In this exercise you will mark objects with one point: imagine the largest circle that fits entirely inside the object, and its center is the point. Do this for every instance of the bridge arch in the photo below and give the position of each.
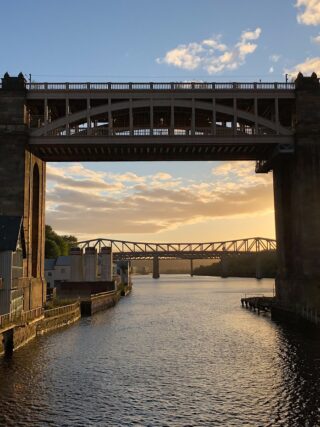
(218, 115)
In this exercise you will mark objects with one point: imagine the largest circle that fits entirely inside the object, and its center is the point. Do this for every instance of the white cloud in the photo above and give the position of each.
(91, 208)
(316, 39)
(275, 57)
(271, 70)
(309, 66)
(309, 12)
(211, 55)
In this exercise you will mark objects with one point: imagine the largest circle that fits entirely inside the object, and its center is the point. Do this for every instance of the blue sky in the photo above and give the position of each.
(122, 39)
(140, 40)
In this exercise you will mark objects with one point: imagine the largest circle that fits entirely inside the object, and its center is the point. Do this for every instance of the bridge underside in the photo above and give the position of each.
(192, 148)
(139, 122)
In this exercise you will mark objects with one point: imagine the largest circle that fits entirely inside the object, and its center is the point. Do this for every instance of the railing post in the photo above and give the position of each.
(214, 117)
(193, 117)
(88, 116)
(110, 118)
(151, 116)
(235, 118)
(276, 107)
(67, 116)
(172, 116)
(130, 115)
(256, 126)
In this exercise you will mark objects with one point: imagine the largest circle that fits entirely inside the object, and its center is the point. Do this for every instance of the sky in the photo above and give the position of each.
(145, 40)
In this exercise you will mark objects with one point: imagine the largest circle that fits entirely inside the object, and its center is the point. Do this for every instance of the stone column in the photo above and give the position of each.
(76, 261)
(258, 266)
(191, 267)
(90, 264)
(22, 183)
(106, 263)
(297, 205)
(156, 269)
(224, 263)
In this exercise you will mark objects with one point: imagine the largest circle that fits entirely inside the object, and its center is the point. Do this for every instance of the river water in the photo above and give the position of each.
(179, 351)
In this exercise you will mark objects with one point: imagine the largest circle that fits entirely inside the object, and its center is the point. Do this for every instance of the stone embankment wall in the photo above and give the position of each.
(17, 335)
(58, 318)
(99, 302)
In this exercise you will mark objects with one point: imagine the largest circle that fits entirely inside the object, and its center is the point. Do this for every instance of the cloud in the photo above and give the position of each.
(309, 12)
(211, 55)
(309, 66)
(161, 203)
(316, 39)
(162, 176)
(271, 70)
(274, 58)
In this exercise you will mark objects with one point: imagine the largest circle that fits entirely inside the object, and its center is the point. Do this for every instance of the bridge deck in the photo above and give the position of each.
(151, 148)
(158, 121)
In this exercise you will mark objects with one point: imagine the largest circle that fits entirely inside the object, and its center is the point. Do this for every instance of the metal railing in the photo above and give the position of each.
(171, 86)
(18, 318)
(61, 310)
(101, 294)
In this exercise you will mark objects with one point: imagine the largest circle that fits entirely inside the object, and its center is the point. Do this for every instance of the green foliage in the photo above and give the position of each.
(57, 245)
(52, 250)
(242, 266)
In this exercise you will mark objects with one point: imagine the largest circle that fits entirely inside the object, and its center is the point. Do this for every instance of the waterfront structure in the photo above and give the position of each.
(58, 269)
(276, 124)
(72, 268)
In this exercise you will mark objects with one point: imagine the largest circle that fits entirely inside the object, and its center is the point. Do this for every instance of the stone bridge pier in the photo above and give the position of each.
(156, 268)
(297, 205)
(22, 184)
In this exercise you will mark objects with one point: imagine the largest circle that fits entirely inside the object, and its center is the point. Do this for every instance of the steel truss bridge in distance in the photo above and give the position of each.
(127, 251)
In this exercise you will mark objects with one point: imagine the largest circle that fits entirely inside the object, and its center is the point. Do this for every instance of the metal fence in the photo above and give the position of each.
(102, 294)
(179, 86)
(61, 310)
(18, 318)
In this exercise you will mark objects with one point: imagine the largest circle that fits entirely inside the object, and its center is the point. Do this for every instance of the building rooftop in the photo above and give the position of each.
(63, 261)
(49, 264)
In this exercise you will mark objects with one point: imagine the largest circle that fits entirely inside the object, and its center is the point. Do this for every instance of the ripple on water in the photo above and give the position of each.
(177, 352)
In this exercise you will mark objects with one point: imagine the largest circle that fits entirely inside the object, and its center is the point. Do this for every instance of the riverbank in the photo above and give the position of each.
(18, 331)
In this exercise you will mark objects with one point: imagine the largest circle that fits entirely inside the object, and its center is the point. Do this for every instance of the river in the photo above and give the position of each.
(178, 351)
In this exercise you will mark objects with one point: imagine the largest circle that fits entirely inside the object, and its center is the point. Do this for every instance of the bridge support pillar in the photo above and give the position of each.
(224, 264)
(22, 183)
(191, 267)
(156, 268)
(258, 266)
(297, 206)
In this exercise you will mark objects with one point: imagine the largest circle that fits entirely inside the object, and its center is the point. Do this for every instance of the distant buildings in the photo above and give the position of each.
(62, 268)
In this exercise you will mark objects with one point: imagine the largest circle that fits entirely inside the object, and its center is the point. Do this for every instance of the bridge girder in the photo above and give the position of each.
(126, 250)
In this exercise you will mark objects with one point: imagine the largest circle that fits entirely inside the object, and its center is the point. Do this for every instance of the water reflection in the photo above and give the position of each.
(179, 351)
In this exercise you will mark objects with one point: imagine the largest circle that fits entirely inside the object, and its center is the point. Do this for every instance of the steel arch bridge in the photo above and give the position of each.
(126, 250)
(159, 121)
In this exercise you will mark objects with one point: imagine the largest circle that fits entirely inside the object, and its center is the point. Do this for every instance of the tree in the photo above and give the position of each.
(57, 245)
(52, 250)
